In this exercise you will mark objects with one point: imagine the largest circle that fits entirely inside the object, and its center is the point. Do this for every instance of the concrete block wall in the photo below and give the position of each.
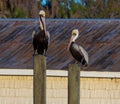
(19, 90)
(16, 90)
(100, 91)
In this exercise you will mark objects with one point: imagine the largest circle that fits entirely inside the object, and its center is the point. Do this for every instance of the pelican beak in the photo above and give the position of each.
(43, 19)
(74, 36)
(70, 42)
(42, 22)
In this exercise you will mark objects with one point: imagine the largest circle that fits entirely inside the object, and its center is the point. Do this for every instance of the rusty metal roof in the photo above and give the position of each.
(101, 39)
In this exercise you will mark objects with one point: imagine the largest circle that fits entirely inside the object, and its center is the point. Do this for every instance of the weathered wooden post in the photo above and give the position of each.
(39, 80)
(73, 84)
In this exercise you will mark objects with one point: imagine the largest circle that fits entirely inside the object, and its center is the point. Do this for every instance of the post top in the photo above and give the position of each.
(71, 65)
(42, 56)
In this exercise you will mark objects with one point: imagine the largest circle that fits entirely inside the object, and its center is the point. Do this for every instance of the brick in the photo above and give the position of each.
(98, 85)
(57, 101)
(2, 83)
(17, 84)
(106, 101)
(20, 100)
(12, 84)
(115, 101)
(59, 84)
(24, 92)
(115, 94)
(48, 85)
(21, 78)
(85, 101)
(49, 93)
(12, 92)
(90, 101)
(95, 101)
(85, 93)
(26, 84)
(84, 85)
(100, 94)
(4, 92)
(6, 83)
(113, 86)
(50, 78)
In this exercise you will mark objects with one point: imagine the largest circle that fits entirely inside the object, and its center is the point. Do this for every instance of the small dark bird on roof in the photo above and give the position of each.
(78, 52)
(41, 37)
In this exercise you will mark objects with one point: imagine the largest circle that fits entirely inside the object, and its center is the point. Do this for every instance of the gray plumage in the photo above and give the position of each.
(77, 51)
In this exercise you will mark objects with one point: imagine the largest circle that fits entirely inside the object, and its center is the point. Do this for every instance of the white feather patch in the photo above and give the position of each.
(85, 54)
(33, 33)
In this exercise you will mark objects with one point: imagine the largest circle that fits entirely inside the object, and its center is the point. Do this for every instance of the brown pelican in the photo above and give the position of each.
(77, 51)
(41, 37)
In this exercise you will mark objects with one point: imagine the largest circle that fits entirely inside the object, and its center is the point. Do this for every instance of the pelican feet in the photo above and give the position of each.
(35, 54)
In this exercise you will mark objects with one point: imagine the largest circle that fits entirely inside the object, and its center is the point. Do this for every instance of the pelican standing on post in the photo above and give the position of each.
(77, 51)
(41, 36)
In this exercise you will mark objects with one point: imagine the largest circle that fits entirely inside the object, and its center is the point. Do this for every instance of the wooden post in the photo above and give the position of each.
(39, 80)
(73, 84)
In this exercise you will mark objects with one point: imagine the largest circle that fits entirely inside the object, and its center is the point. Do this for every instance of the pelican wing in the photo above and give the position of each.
(48, 36)
(33, 34)
(85, 54)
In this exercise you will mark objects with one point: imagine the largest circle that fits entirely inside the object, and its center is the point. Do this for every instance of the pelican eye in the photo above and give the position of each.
(74, 34)
(41, 15)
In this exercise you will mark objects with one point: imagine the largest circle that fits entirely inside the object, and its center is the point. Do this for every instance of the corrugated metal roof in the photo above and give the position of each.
(101, 39)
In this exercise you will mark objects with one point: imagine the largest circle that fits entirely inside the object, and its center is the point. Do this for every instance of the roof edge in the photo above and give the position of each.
(59, 73)
(52, 19)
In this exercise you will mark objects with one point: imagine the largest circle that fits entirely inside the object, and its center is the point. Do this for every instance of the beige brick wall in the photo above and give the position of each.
(16, 90)
(19, 90)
